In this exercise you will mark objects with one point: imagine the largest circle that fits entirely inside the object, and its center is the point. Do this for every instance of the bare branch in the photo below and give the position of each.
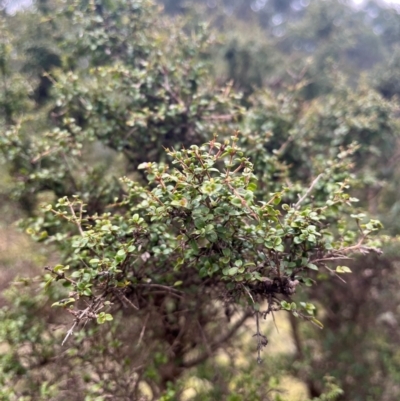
(296, 206)
(77, 221)
(143, 330)
(214, 346)
(334, 273)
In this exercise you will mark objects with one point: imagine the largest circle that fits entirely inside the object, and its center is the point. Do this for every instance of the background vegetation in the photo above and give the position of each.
(181, 185)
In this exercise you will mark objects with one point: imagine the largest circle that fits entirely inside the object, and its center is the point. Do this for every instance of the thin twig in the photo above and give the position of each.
(143, 330)
(160, 286)
(69, 332)
(90, 311)
(334, 273)
(258, 334)
(284, 145)
(202, 164)
(77, 320)
(243, 201)
(77, 222)
(270, 309)
(60, 276)
(122, 298)
(296, 206)
(222, 340)
(43, 154)
(249, 293)
(273, 318)
(333, 258)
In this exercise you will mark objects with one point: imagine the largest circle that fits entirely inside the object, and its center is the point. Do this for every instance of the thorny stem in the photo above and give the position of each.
(77, 320)
(91, 310)
(69, 332)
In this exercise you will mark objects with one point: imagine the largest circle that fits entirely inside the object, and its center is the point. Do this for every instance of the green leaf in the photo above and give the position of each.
(312, 266)
(277, 200)
(225, 260)
(297, 240)
(77, 274)
(317, 323)
(120, 256)
(64, 302)
(343, 269)
(226, 252)
(101, 318)
(236, 202)
(232, 271)
(252, 186)
(48, 282)
(308, 282)
(194, 246)
(58, 268)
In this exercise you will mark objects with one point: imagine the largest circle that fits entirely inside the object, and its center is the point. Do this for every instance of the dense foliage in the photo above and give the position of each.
(183, 181)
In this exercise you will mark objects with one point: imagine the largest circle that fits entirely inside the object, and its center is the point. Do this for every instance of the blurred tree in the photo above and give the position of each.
(162, 270)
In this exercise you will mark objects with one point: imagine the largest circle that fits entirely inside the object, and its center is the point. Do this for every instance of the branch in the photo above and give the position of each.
(89, 312)
(262, 341)
(43, 154)
(77, 221)
(244, 203)
(296, 337)
(143, 330)
(334, 273)
(76, 321)
(214, 346)
(161, 287)
(69, 332)
(60, 276)
(296, 206)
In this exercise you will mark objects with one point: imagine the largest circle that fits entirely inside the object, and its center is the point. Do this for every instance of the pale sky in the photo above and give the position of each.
(14, 5)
